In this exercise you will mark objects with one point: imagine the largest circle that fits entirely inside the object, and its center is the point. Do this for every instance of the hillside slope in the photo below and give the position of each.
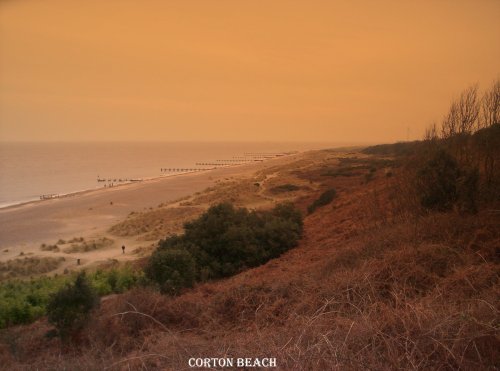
(368, 287)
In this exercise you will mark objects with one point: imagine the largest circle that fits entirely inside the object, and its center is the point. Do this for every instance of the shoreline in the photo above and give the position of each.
(19, 204)
(23, 227)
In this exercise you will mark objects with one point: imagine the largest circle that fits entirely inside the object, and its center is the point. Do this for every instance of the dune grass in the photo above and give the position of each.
(28, 266)
(155, 224)
(86, 246)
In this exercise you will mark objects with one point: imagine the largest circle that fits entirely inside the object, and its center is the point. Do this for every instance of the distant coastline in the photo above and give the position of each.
(30, 171)
(24, 226)
(21, 203)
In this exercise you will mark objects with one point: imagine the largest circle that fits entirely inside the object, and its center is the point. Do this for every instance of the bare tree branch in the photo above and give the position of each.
(490, 106)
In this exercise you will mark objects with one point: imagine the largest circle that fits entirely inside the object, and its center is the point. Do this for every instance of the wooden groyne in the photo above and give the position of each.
(49, 196)
(112, 182)
(247, 157)
(163, 170)
(115, 180)
(266, 155)
(273, 154)
(209, 164)
(234, 161)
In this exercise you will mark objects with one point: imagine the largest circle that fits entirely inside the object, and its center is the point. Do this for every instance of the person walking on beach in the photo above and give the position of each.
(123, 249)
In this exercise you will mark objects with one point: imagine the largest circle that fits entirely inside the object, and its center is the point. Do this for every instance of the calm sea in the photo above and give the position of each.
(29, 170)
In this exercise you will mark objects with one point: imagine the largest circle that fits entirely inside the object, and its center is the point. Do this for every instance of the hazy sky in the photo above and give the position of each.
(353, 71)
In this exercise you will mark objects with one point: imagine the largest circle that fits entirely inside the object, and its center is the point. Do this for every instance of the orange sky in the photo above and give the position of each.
(354, 71)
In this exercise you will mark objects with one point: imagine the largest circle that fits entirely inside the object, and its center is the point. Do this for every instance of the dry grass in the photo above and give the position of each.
(45, 247)
(86, 246)
(155, 224)
(28, 266)
(261, 191)
(369, 287)
(143, 250)
(239, 192)
(56, 247)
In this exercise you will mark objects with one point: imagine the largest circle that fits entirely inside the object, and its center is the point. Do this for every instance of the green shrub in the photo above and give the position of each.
(69, 308)
(172, 269)
(115, 280)
(324, 199)
(288, 212)
(26, 301)
(222, 242)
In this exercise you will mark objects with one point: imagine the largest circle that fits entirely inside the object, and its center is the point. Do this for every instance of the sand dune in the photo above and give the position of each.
(90, 214)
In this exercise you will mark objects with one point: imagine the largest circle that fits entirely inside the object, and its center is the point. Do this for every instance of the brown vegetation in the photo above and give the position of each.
(28, 266)
(86, 246)
(368, 287)
(155, 224)
(379, 280)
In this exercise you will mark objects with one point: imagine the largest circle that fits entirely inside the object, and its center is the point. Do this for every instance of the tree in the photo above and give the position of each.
(431, 133)
(490, 106)
(468, 110)
(69, 309)
(463, 114)
(449, 127)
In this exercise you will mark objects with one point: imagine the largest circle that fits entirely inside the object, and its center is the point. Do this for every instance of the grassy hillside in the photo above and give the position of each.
(376, 282)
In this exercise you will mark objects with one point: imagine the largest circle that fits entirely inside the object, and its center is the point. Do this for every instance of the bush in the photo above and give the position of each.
(288, 212)
(222, 242)
(441, 184)
(172, 269)
(69, 308)
(467, 189)
(325, 198)
(86, 246)
(285, 188)
(23, 301)
(395, 149)
(115, 280)
(437, 182)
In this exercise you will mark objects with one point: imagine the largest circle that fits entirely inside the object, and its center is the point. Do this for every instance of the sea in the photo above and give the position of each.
(29, 171)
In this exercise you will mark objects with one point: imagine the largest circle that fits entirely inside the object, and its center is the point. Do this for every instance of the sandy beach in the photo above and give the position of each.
(90, 214)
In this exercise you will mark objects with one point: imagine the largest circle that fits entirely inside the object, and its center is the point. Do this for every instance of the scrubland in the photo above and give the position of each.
(397, 267)
(376, 282)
